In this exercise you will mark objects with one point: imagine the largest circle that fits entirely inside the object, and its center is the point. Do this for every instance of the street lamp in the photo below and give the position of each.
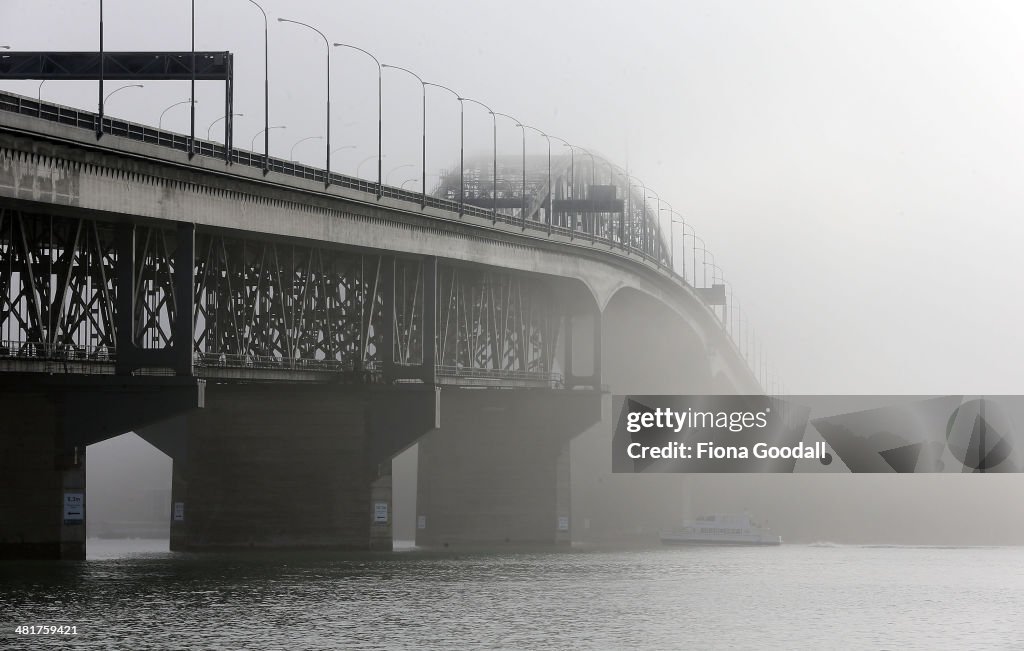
(365, 160)
(656, 248)
(681, 220)
(550, 193)
(593, 182)
(117, 89)
(210, 128)
(494, 175)
(160, 123)
(696, 238)
(380, 119)
(266, 89)
(522, 210)
(396, 169)
(344, 147)
(572, 180)
(291, 152)
(671, 239)
(252, 143)
(327, 46)
(462, 134)
(423, 86)
(407, 181)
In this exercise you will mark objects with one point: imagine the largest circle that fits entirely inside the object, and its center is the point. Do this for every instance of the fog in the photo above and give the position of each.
(853, 166)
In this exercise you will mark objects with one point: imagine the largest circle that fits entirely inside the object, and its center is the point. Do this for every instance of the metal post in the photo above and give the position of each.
(523, 218)
(423, 86)
(192, 98)
(327, 47)
(572, 172)
(266, 89)
(522, 209)
(99, 118)
(550, 190)
(494, 172)
(380, 113)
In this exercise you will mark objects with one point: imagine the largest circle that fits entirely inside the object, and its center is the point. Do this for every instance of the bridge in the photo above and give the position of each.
(283, 332)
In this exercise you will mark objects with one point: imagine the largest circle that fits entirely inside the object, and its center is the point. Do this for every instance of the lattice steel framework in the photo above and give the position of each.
(66, 295)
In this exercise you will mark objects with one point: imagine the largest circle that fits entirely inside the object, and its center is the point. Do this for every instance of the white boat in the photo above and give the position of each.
(721, 529)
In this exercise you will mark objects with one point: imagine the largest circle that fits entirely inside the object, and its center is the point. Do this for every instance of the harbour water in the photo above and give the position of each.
(137, 595)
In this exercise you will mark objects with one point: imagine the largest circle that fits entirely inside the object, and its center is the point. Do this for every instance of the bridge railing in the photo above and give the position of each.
(29, 350)
(143, 133)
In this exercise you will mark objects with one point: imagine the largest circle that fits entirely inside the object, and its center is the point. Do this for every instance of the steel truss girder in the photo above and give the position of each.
(260, 304)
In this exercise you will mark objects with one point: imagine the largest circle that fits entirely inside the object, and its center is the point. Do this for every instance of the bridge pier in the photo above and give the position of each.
(497, 471)
(278, 466)
(48, 420)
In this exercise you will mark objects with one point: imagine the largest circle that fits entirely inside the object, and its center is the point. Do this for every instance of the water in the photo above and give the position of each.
(136, 595)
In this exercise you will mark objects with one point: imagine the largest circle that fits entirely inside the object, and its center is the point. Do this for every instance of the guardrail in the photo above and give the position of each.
(57, 357)
(78, 118)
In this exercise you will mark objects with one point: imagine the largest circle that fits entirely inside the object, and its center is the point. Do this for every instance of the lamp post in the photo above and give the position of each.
(291, 152)
(550, 193)
(160, 122)
(462, 143)
(266, 88)
(656, 249)
(380, 119)
(99, 118)
(423, 87)
(252, 143)
(407, 181)
(671, 244)
(192, 96)
(682, 251)
(210, 128)
(522, 209)
(395, 169)
(730, 328)
(343, 147)
(105, 99)
(593, 182)
(365, 160)
(697, 238)
(572, 181)
(494, 175)
(716, 278)
(327, 46)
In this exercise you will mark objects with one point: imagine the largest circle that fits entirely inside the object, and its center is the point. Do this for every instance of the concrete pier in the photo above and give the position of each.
(497, 471)
(290, 466)
(47, 423)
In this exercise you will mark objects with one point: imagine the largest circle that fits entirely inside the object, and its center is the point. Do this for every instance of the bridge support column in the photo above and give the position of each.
(47, 423)
(497, 470)
(291, 466)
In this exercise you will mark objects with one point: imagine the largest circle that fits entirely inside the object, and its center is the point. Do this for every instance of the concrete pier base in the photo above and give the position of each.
(496, 473)
(46, 422)
(290, 466)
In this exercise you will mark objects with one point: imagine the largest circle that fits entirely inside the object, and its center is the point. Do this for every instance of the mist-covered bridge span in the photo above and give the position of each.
(283, 335)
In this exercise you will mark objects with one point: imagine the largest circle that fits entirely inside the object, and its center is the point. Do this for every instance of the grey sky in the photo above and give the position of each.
(854, 166)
